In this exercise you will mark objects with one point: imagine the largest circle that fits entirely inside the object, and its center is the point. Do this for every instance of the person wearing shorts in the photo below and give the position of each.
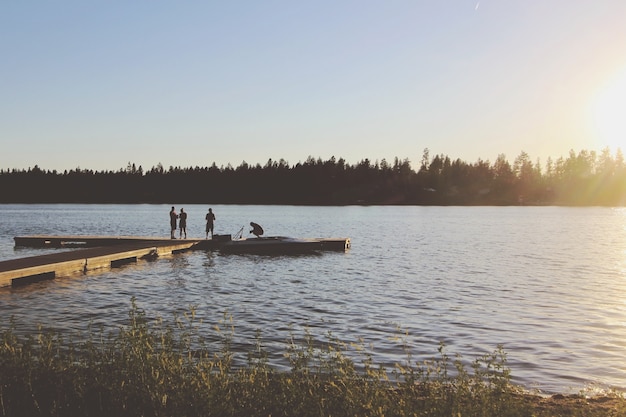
(173, 217)
(182, 224)
(210, 219)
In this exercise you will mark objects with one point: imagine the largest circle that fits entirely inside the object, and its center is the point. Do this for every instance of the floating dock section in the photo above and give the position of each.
(73, 241)
(37, 268)
(103, 252)
(278, 245)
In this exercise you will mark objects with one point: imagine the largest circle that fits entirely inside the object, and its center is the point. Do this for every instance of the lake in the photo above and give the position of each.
(546, 283)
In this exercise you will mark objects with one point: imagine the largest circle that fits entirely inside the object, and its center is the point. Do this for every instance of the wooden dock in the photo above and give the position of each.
(72, 241)
(101, 256)
(105, 252)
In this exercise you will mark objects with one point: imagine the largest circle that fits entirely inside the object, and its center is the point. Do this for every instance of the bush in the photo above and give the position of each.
(155, 370)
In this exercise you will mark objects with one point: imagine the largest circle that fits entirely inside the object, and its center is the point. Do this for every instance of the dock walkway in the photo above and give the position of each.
(101, 252)
(98, 253)
(42, 241)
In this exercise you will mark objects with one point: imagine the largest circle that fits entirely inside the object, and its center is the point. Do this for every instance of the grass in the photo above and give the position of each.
(151, 369)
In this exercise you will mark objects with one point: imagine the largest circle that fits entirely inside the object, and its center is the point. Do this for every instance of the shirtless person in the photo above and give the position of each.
(183, 223)
(173, 217)
(210, 219)
(257, 230)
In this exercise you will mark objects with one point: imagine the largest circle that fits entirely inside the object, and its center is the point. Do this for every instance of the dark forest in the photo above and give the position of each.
(583, 178)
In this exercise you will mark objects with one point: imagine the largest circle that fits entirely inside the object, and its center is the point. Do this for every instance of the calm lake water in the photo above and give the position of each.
(547, 283)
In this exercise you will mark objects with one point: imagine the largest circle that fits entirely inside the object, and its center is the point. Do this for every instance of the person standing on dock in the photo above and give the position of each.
(183, 223)
(173, 217)
(210, 219)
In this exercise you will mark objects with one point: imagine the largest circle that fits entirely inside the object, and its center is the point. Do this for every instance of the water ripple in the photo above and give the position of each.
(547, 283)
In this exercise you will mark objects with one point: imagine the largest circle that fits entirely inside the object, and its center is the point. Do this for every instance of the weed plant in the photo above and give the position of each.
(151, 369)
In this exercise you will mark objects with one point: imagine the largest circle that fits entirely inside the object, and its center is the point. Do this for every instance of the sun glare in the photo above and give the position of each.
(609, 114)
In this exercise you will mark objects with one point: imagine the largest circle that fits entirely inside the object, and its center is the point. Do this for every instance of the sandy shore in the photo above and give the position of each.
(570, 405)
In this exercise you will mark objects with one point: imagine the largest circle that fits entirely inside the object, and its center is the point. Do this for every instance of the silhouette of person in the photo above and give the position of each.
(173, 217)
(257, 230)
(210, 219)
(182, 224)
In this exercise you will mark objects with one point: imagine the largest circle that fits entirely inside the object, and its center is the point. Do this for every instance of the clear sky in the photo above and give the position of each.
(98, 84)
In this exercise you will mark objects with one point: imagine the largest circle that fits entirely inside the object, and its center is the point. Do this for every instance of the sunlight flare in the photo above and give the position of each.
(608, 112)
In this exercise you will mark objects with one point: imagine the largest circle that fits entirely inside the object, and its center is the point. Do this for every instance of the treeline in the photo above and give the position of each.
(583, 178)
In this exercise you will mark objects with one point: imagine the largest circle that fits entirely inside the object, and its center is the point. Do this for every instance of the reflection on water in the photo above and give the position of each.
(548, 283)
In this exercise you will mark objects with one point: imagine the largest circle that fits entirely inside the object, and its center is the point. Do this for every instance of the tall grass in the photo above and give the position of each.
(152, 369)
